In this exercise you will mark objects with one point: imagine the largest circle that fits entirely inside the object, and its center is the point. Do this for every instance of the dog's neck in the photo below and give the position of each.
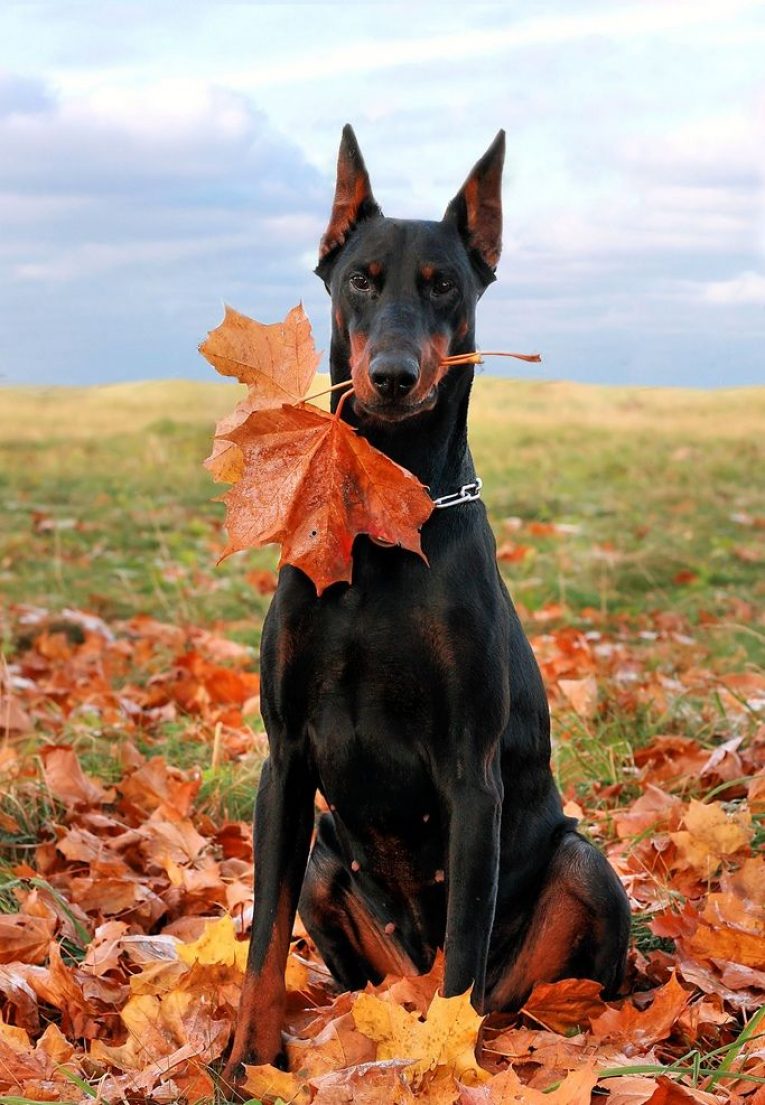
(433, 446)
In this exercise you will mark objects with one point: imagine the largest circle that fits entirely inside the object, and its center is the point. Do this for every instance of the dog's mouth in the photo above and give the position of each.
(396, 411)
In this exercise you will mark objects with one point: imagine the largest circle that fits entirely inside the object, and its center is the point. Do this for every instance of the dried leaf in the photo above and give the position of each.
(277, 361)
(563, 1005)
(710, 834)
(312, 484)
(447, 1037)
(655, 1023)
(364, 1084)
(507, 1089)
(66, 780)
(24, 939)
(581, 694)
(217, 944)
(266, 1081)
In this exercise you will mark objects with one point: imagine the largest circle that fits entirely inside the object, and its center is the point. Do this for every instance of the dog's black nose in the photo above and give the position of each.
(393, 375)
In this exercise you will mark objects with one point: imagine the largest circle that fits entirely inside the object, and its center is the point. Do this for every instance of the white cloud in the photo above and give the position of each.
(151, 174)
(748, 287)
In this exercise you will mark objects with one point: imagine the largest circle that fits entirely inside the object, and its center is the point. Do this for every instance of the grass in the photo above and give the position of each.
(107, 508)
(106, 504)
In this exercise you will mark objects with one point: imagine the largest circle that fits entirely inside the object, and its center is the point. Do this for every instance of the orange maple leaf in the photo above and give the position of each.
(277, 361)
(647, 1026)
(570, 1003)
(312, 484)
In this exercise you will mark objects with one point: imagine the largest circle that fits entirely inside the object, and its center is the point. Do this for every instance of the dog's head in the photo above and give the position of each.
(404, 291)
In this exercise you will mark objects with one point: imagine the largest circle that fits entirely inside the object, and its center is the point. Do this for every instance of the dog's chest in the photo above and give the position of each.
(412, 662)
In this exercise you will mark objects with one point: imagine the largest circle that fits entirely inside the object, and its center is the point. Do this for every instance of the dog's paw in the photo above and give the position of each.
(230, 1082)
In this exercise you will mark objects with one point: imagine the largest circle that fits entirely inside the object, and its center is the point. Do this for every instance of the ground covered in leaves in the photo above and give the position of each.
(130, 744)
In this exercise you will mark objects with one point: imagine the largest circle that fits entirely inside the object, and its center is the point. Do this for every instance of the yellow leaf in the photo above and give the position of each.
(217, 944)
(269, 1082)
(446, 1038)
(296, 975)
(710, 834)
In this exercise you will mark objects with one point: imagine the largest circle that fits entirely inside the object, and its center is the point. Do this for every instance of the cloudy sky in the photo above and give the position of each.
(157, 159)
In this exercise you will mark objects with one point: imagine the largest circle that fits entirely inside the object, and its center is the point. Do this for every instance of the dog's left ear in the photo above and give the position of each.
(353, 202)
(476, 210)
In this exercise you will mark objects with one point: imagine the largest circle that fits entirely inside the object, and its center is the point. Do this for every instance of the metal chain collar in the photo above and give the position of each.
(466, 494)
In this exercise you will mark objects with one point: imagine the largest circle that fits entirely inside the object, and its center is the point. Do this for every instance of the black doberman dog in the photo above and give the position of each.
(411, 699)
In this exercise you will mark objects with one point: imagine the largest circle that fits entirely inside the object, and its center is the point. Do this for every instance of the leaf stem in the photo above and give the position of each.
(343, 397)
(477, 357)
(335, 387)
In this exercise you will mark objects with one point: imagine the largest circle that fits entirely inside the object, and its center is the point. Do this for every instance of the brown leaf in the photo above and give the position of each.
(507, 1089)
(379, 1083)
(262, 580)
(24, 939)
(669, 1092)
(642, 1028)
(268, 1082)
(339, 1043)
(13, 718)
(312, 484)
(277, 361)
(67, 782)
(581, 694)
(510, 553)
(723, 943)
(155, 785)
(630, 1090)
(563, 1005)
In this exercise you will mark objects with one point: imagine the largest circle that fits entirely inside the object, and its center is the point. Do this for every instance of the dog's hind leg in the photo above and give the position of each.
(578, 927)
(355, 945)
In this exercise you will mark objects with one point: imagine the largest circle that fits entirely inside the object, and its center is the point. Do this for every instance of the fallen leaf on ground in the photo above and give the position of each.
(570, 1003)
(709, 834)
(446, 1037)
(507, 1089)
(647, 1026)
(581, 694)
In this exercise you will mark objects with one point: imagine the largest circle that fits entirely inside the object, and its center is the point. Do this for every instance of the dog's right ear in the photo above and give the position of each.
(353, 202)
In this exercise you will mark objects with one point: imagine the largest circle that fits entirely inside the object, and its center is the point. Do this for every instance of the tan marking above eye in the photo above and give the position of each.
(374, 268)
(427, 272)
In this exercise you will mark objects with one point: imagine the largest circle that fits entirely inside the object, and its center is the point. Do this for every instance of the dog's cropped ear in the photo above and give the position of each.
(476, 210)
(353, 202)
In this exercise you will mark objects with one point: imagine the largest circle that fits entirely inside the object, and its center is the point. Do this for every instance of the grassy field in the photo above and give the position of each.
(106, 505)
(106, 508)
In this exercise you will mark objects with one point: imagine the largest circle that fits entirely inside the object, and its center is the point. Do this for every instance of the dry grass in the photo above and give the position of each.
(35, 414)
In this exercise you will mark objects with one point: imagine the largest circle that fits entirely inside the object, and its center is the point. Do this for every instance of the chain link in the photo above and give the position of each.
(466, 494)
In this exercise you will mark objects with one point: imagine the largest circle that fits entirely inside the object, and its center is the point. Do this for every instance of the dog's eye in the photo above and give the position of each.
(442, 286)
(360, 282)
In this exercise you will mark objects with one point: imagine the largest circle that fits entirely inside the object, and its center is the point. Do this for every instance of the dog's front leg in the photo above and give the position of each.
(281, 837)
(474, 810)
